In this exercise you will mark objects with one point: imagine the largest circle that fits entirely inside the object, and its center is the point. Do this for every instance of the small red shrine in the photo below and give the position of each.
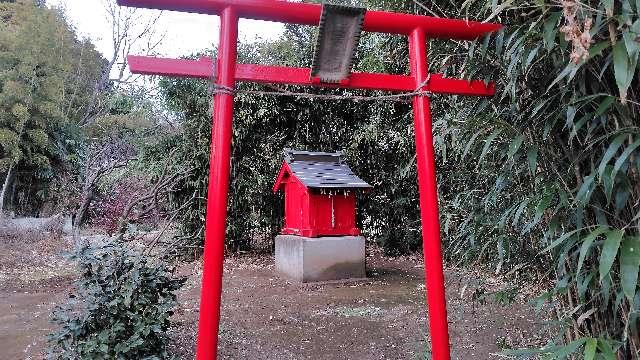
(320, 194)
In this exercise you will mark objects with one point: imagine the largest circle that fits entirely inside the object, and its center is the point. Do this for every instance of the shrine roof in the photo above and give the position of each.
(320, 170)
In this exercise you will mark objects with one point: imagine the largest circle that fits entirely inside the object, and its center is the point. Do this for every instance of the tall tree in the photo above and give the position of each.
(131, 29)
(45, 73)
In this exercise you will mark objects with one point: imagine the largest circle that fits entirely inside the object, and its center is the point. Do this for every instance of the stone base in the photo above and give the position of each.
(306, 259)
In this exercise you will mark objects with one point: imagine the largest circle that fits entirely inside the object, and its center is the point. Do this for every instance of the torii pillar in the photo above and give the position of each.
(418, 29)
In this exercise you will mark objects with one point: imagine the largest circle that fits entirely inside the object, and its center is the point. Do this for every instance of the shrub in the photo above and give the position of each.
(120, 307)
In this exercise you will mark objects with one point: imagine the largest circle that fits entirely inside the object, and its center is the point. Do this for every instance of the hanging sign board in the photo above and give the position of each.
(337, 41)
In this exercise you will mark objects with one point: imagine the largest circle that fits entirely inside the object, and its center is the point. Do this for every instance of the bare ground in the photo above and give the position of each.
(34, 277)
(384, 317)
(266, 317)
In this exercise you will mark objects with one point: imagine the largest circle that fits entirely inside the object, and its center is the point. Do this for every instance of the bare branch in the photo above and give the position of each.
(128, 29)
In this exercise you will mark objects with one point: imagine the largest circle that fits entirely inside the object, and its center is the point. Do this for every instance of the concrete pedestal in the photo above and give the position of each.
(320, 259)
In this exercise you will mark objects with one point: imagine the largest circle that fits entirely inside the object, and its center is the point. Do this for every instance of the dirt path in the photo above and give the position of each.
(24, 319)
(265, 317)
(34, 278)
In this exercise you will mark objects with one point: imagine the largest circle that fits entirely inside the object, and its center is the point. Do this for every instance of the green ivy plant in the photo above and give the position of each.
(120, 307)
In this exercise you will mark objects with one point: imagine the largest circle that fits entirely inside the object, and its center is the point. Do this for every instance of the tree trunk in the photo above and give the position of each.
(5, 187)
(81, 213)
(87, 195)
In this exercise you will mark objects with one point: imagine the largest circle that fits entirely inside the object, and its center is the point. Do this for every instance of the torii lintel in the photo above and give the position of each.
(268, 74)
(309, 14)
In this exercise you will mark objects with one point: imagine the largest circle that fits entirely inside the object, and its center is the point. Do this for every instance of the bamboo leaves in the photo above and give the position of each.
(606, 350)
(499, 9)
(571, 348)
(593, 347)
(514, 146)
(611, 151)
(532, 54)
(608, 6)
(629, 265)
(604, 106)
(586, 190)
(609, 251)
(560, 157)
(586, 245)
(532, 159)
(615, 243)
(561, 239)
(622, 69)
(598, 48)
(625, 60)
(487, 144)
(590, 349)
(624, 157)
(550, 30)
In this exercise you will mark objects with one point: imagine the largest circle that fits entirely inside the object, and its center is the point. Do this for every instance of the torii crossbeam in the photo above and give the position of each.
(227, 72)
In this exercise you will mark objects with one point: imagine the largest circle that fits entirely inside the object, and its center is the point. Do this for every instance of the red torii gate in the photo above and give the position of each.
(227, 72)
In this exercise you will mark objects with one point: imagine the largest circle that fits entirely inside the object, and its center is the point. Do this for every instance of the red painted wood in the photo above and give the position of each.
(309, 213)
(148, 65)
(309, 14)
(203, 69)
(215, 223)
(431, 244)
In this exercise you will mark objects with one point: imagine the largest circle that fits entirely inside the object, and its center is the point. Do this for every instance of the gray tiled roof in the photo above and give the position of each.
(323, 170)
